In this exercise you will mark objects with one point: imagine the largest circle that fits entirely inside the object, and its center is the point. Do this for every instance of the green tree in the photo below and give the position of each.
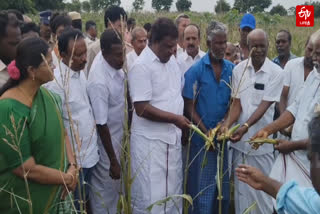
(24, 6)
(251, 6)
(292, 11)
(163, 5)
(278, 9)
(97, 5)
(138, 5)
(183, 5)
(316, 6)
(222, 7)
(41, 5)
(86, 7)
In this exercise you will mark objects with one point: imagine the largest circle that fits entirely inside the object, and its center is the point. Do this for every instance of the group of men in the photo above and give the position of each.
(172, 84)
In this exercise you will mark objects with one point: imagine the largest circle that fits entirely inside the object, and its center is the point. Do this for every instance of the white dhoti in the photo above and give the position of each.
(244, 195)
(104, 191)
(157, 172)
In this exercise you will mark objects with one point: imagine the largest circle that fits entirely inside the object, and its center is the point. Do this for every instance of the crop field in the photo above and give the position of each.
(271, 24)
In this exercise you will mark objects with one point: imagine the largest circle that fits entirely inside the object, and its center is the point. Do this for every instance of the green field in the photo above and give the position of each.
(272, 24)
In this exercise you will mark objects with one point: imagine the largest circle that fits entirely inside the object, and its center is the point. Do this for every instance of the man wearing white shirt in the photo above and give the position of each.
(70, 83)
(139, 42)
(106, 93)
(182, 21)
(155, 82)
(296, 72)
(305, 106)
(191, 41)
(255, 90)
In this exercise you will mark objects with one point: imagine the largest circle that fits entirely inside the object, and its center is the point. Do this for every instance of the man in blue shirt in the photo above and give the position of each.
(207, 94)
(290, 197)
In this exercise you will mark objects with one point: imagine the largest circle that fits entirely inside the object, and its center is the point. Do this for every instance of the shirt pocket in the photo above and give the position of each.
(257, 97)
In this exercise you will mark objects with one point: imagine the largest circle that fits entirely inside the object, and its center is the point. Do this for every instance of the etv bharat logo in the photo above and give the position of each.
(305, 16)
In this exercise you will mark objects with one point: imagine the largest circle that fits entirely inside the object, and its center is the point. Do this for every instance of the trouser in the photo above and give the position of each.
(244, 195)
(157, 172)
(81, 193)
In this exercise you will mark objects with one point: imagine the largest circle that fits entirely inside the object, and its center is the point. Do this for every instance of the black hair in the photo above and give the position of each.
(314, 134)
(147, 27)
(114, 13)
(66, 36)
(288, 33)
(161, 28)
(131, 21)
(196, 26)
(29, 53)
(31, 26)
(90, 24)
(18, 14)
(5, 21)
(59, 20)
(77, 24)
(108, 38)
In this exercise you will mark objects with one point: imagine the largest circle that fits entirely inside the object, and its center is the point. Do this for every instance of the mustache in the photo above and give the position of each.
(191, 46)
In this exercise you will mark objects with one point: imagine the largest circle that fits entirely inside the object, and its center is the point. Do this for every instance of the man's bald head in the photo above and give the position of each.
(258, 34)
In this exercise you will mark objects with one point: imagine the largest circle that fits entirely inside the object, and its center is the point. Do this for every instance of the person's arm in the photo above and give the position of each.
(104, 133)
(285, 146)
(42, 174)
(190, 110)
(145, 110)
(286, 119)
(257, 180)
(232, 116)
(255, 117)
(284, 99)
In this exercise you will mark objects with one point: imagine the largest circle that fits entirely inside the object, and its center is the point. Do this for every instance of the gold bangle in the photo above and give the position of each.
(246, 125)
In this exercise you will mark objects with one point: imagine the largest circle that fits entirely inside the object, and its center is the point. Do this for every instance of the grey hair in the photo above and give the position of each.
(137, 30)
(215, 28)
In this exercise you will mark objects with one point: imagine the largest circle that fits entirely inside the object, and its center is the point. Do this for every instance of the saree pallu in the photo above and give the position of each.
(25, 132)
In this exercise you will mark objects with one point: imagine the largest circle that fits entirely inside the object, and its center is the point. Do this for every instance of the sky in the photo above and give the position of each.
(207, 5)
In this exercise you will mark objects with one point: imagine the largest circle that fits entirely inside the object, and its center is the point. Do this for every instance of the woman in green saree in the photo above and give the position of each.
(33, 143)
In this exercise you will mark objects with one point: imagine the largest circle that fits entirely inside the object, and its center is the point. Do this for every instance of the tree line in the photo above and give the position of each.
(222, 6)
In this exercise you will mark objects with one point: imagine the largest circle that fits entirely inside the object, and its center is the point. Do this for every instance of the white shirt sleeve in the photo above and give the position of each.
(235, 83)
(140, 83)
(99, 96)
(274, 88)
(287, 75)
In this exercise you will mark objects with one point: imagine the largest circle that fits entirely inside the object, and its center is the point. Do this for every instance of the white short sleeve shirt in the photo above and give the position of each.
(161, 85)
(294, 77)
(265, 84)
(107, 97)
(131, 58)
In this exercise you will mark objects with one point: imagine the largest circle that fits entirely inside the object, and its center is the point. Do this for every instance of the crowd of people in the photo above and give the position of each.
(64, 103)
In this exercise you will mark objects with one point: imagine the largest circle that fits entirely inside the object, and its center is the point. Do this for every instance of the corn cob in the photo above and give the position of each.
(256, 143)
(226, 136)
(199, 132)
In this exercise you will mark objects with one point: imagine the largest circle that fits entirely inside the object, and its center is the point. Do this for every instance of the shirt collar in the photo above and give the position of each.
(151, 54)
(185, 55)
(72, 74)
(110, 70)
(2, 66)
(264, 68)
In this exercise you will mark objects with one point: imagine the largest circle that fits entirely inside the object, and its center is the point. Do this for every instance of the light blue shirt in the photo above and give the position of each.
(297, 200)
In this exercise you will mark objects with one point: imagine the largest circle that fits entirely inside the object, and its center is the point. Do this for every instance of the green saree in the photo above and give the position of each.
(37, 132)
